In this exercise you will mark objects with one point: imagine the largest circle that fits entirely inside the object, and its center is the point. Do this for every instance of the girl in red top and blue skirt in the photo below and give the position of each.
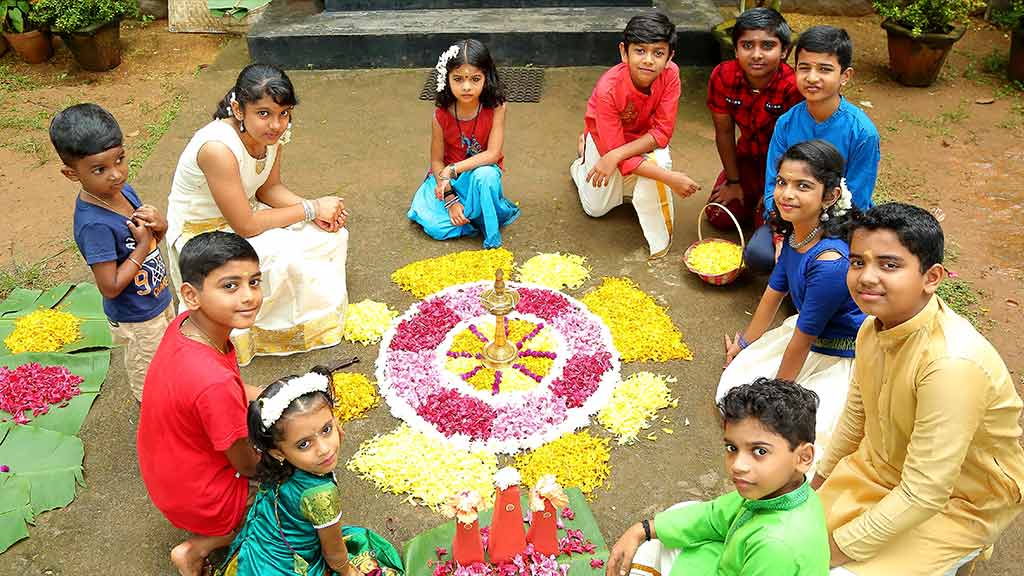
(462, 195)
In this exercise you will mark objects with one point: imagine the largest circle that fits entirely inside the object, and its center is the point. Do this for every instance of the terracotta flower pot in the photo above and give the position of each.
(96, 48)
(33, 46)
(3, 45)
(1016, 67)
(917, 61)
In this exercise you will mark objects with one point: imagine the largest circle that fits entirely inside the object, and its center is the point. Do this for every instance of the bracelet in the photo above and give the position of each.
(449, 203)
(309, 210)
(136, 262)
(647, 529)
(742, 342)
(452, 172)
(732, 181)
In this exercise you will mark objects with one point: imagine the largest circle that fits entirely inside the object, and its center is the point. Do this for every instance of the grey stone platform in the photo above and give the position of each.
(298, 34)
(348, 5)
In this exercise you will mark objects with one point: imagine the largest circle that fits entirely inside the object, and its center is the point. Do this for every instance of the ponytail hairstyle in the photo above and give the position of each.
(270, 470)
(826, 164)
(474, 53)
(254, 82)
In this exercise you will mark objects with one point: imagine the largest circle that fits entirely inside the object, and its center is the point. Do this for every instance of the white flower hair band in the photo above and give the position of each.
(442, 65)
(272, 408)
(845, 201)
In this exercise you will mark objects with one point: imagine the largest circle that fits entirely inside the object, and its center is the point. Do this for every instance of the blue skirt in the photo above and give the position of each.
(483, 204)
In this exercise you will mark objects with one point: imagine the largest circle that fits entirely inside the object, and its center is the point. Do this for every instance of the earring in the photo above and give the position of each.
(824, 216)
(241, 124)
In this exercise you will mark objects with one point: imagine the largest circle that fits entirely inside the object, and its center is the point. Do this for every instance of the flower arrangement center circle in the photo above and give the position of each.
(437, 373)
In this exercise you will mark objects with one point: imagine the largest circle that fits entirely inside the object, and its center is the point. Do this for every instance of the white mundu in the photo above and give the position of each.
(652, 199)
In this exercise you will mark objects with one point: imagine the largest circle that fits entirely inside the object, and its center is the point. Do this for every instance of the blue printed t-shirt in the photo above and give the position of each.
(102, 235)
(848, 129)
(819, 292)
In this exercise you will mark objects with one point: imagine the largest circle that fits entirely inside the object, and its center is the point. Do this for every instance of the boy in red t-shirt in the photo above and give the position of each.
(629, 121)
(194, 452)
(750, 92)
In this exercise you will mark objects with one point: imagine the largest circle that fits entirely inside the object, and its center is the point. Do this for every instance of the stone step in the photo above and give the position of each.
(353, 5)
(295, 34)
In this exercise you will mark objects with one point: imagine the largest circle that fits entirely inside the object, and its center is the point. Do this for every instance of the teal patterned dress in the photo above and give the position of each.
(279, 537)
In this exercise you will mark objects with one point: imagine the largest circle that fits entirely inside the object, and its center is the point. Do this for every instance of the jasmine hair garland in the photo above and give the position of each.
(442, 66)
(272, 408)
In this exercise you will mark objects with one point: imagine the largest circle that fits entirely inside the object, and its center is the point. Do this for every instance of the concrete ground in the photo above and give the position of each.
(364, 135)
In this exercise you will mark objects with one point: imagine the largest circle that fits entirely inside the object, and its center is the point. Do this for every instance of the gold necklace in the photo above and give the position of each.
(261, 162)
(98, 199)
(206, 337)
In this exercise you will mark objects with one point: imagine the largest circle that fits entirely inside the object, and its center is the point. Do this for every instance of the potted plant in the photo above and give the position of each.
(1012, 17)
(723, 32)
(921, 33)
(32, 44)
(91, 29)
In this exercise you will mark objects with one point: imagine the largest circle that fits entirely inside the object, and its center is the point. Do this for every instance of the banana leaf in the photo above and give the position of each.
(49, 461)
(15, 512)
(422, 548)
(92, 366)
(82, 300)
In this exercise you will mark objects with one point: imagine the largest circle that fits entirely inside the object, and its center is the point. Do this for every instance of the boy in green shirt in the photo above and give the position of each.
(773, 524)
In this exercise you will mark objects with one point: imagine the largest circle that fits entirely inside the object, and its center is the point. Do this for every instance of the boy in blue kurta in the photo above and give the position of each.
(824, 59)
(772, 524)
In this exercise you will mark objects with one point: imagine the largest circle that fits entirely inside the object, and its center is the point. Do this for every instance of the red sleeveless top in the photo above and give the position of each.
(458, 132)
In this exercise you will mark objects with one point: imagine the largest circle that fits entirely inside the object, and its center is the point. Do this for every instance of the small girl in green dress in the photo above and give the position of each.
(293, 527)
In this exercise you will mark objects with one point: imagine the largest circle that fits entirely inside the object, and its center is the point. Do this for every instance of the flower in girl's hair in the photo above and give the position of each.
(442, 66)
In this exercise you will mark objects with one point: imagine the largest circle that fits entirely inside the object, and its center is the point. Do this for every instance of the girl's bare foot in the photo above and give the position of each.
(187, 559)
(580, 144)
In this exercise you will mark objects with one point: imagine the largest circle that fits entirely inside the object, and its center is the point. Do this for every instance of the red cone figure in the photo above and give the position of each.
(466, 547)
(543, 532)
(507, 538)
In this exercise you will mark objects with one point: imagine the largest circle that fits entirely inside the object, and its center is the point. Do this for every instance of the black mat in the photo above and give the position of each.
(522, 84)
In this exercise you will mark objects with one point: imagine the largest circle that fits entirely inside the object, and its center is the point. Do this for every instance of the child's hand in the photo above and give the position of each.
(602, 172)
(457, 216)
(620, 557)
(727, 193)
(142, 234)
(443, 186)
(151, 218)
(838, 557)
(683, 185)
(732, 348)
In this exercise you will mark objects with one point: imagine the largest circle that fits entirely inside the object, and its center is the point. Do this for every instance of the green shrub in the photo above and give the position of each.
(1010, 17)
(14, 16)
(67, 16)
(927, 16)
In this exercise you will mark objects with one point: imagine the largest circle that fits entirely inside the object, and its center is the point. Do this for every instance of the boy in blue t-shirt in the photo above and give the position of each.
(824, 55)
(116, 233)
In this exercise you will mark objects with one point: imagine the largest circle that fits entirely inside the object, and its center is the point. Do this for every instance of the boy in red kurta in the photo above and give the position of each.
(194, 452)
(749, 92)
(629, 122)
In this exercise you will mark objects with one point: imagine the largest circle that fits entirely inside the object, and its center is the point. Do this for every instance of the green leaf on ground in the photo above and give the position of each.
(15, 512)
(92, 366)
(51, 462)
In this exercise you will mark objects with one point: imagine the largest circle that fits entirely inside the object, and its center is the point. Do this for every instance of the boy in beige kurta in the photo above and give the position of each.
(926, 468)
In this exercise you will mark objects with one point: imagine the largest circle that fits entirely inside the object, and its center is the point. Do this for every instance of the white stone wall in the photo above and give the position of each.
(823, 7)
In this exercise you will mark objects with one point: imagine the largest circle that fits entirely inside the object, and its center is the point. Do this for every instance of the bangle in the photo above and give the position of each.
(732, 180)
(136, 262)
(449, 203)
(647, 529)
(309, 210)
(742, 342)
(452, 172)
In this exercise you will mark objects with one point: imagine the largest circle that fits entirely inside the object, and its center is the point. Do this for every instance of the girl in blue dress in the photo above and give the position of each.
(815, 347)
(462, 195)
(294, 525)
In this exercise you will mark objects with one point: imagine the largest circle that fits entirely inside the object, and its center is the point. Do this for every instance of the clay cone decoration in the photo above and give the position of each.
(543, 532)
(467, 548)
(545, 498)
(507, 539)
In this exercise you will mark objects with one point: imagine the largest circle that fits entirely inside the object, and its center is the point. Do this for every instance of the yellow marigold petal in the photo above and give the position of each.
(407, 462)
(633, 405)
(366, 321)
(578, 459)
(354, 395)
(425, 277)
(43, 330)
(715, 257)
(555, 270)
(640, 328)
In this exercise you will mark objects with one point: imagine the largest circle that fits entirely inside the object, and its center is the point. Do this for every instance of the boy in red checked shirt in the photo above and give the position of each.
(750, 92)
(629, 122)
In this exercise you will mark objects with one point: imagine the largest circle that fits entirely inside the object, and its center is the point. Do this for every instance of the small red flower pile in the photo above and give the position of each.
(36, 388)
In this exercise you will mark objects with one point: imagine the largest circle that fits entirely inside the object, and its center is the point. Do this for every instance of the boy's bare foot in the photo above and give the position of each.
(187, 559)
